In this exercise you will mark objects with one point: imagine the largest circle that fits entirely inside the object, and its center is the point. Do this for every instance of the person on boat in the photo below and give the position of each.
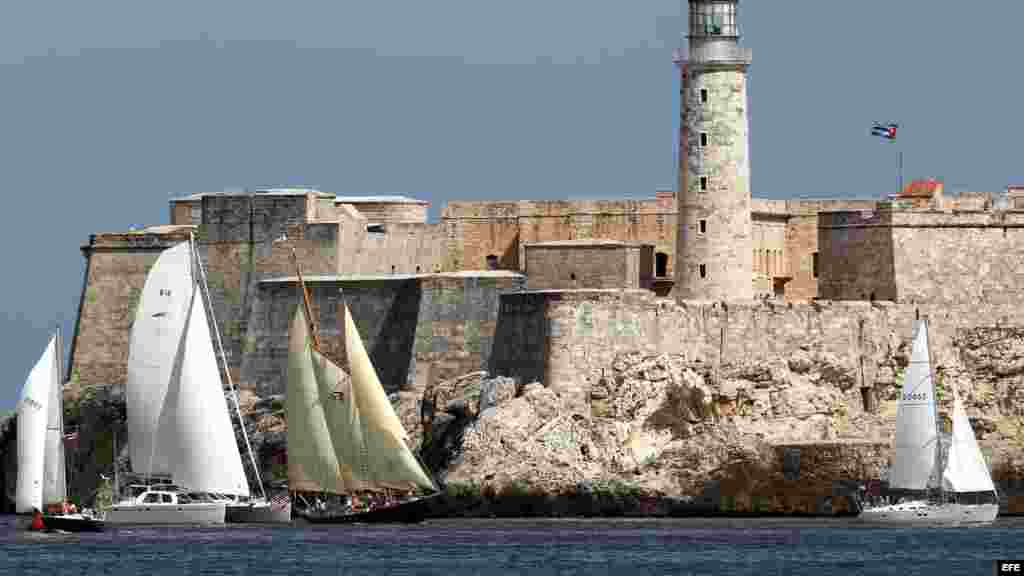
(37, 520)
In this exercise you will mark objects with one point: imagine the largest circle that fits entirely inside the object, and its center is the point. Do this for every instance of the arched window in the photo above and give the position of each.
(661, 264)
(492, 262)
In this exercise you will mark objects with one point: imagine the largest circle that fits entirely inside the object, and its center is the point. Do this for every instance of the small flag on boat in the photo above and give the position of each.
(887, 131)
(279, 502)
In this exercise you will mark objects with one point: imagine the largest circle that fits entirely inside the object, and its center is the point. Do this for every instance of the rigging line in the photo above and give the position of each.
(227, 370)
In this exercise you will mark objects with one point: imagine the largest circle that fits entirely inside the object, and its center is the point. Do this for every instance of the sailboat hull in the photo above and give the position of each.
(411, 512)
(166, 514)
(62, 523)
(258, 513)
(927, 514)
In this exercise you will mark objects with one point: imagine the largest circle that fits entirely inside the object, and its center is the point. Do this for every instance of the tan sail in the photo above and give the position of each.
(343, 434)
(391, 462)
(312, 463)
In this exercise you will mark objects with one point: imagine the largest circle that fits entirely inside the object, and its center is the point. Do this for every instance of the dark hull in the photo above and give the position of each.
(405, 513)
(62, 523)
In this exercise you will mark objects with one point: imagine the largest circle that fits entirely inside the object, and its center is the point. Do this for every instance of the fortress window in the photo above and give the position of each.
(703, 139)
(703, 95)
(661, 264)
(814, 263)
(572, 276)
(703, 271)
(492, 262)
(703, 183)
(703, 226)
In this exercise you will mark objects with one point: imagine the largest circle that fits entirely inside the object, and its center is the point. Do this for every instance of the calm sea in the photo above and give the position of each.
(454, 548)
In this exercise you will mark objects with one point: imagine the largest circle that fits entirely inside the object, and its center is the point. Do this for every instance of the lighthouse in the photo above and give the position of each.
(714, 249)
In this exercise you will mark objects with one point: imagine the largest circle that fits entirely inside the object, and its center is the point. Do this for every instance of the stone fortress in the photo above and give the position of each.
(557, 291)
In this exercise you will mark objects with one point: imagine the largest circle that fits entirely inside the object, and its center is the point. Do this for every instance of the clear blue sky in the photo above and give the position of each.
(107, 109)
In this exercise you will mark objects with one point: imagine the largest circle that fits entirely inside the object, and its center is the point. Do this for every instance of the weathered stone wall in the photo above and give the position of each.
(587, 328)
(385, 311)
(409, 210)
(415, 328)
(186, 211)
(248, 237)
(922, 255)
(476, 230)
(856, 256)
(769, 251)
(589, 264)
(457, 323)
(402, 248)
(115, 273)
(958, 256)
(718, 263)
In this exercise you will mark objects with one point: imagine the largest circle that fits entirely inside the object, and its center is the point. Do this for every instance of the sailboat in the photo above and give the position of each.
(963, 492)
(42, 472)
(179, 429)
(240, 508)
(348, 454)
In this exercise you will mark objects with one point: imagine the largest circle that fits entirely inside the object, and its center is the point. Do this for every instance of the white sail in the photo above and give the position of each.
(203, 453)
(155, 335)
(33, 413)
(966, 469)
(916, 432)
(54, 483)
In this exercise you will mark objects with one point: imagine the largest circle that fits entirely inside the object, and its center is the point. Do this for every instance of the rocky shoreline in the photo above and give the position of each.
(662, 435)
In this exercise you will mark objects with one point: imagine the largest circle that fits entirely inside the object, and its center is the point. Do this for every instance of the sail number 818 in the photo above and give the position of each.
(916, 396)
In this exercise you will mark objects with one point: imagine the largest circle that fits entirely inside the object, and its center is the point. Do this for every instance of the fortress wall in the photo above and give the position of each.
(801, 245)
(403, 248)
(478, 229)
(415, 328)
(587, 328)
(584, 264)
(474, 230)
(378, 212)
(922, 256)
(384, 310)
(965, 256)
(856, 256)
(246, 238)
(115, 273)
(457, 322)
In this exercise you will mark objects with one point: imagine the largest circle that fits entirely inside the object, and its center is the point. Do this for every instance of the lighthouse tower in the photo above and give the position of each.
(714, 249)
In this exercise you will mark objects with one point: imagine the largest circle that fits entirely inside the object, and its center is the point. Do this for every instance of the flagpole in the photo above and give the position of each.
(900, 164)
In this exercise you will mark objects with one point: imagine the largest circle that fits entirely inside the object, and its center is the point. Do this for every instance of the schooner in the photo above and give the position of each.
(348, 453)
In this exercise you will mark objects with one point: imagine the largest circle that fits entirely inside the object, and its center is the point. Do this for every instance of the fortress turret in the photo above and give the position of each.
(714, 250)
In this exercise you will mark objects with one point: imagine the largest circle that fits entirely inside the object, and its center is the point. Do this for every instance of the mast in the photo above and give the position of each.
(59, 354)
(227, 372)
(939, 464)
(313, 332)
(311, 324)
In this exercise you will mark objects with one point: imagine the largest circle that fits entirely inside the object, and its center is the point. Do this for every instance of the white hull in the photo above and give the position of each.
(926, 514)
(259, 513)
(199, 513)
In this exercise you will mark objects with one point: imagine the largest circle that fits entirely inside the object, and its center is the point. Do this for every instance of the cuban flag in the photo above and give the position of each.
(887, 131)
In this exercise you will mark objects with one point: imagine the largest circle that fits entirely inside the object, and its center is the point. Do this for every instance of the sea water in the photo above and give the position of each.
(463, 547)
